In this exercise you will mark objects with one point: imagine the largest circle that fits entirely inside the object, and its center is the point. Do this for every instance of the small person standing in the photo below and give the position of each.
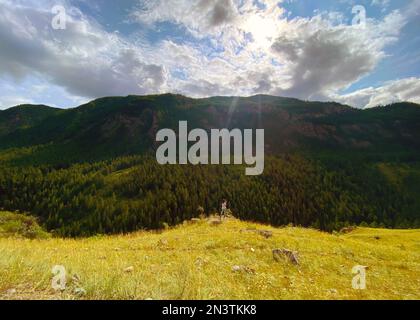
(224, 209)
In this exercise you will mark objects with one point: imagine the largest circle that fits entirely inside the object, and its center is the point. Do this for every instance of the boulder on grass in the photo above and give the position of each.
(244, 269)
(266, 234)
(347, 230)
(281, 254)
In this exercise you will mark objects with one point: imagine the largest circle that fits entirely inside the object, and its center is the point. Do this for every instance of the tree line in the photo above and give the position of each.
(133, 193)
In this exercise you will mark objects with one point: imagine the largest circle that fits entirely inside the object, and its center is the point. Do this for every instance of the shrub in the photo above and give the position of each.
(19, 225)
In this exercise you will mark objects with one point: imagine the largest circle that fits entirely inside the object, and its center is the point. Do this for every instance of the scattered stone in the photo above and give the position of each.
(347, 230)
(265, 233)
(292, 256)
(243, 269)
(129, 270)
(252, 250)
(195, 220)
(80, 292)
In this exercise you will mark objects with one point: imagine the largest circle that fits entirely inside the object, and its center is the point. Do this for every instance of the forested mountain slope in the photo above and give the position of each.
(119, 126)
(92, 169)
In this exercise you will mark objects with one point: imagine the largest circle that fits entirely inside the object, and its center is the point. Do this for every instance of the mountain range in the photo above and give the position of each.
(92, 169)
(117, 126)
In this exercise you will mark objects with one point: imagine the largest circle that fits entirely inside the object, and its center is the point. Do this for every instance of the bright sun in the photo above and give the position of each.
(263, 30)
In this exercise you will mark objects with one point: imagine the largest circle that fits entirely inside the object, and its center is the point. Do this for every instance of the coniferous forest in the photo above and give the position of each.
(92, 170)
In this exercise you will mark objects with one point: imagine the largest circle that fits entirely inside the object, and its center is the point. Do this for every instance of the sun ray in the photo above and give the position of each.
(232, 110)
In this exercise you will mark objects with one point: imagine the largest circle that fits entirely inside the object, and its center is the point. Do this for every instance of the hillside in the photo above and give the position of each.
(24, 117)
(92, 169)
(119, 126)
(203, 261)
(134, 193)
(14, 225)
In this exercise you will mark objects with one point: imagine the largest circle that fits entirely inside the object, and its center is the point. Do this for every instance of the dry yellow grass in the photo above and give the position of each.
(195, 261)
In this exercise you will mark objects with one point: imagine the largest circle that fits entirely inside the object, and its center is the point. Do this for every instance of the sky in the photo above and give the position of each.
(64, 53)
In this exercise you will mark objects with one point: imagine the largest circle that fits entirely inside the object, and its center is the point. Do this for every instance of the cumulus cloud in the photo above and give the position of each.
(390, 92)
(323, 57)
(314, 58)
(198, 16)
(82, 58)
(232, 47)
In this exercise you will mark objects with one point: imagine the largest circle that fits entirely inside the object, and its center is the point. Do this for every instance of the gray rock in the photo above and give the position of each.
(243, 269)
(347, 230)
(265, 233)
(291, 256)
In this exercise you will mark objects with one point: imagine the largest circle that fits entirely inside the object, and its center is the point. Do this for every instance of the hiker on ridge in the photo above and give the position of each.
(224, 209)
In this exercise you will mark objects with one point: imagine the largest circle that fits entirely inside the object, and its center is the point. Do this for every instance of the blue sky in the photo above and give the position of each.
(305, 49)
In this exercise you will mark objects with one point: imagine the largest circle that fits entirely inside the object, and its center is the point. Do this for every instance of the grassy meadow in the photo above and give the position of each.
(200, 260)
